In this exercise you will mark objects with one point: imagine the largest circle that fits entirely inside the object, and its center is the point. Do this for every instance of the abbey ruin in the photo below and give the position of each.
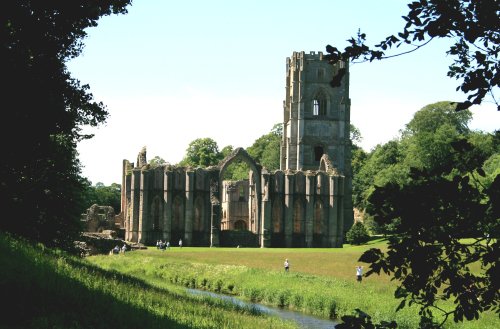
(307, 203)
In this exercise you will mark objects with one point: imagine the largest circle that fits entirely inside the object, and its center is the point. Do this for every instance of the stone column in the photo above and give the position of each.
(167, 206)
(135, 195)
(340, 203)
(333, 212)
(214, 223)
(123, 193)
(189, 212)
(126, 204)
(144, 222)
(310, 189)
(288, 221)
(265, 228)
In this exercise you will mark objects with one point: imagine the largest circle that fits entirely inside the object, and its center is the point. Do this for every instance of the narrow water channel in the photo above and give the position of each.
(303, 320)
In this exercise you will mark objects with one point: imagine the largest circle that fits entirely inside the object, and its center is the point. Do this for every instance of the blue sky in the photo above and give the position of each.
(173, 71)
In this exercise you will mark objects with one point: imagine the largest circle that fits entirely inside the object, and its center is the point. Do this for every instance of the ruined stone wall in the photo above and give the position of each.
(296, 208)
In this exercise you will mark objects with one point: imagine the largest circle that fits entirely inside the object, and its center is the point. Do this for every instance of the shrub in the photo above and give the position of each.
(357, 234)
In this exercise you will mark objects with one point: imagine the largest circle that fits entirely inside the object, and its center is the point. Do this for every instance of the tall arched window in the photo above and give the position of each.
(318, 217)
(297, 217)
(319, 104)
(318, 153)
(178, 213)
(198, 215)
(276, 215)
(156, 213)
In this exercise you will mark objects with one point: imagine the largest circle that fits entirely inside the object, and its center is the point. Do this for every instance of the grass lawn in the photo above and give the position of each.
(320, 282)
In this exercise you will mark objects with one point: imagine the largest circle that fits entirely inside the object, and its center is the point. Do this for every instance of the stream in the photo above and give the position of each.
(304, 321)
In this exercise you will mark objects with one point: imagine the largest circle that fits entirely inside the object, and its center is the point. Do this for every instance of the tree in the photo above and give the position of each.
(436, 191)
(358, 159)
(471, 24)
(266, 149)
(428, 254)
(379, 160)
(202, 152)
(357, 234)
(44, 112)
(102, 195)
(156, 162)
(427, 138)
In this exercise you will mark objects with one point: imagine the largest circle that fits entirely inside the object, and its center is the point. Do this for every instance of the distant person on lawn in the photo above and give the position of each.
(359, 273)
(287, 265)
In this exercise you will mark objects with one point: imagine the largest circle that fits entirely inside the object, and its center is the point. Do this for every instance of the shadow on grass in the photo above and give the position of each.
(38, 296)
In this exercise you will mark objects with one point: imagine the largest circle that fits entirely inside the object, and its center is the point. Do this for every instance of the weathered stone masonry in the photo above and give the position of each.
(307, 203)
(294, 208)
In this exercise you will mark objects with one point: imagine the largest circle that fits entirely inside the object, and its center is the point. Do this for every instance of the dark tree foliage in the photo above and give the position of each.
(44, 110)
(473, 25)
(445, 227)
(102, 195)
(361, 320)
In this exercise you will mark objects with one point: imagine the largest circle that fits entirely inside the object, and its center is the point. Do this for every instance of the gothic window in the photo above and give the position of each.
(156, 213)
(178, 213)
(315, 107)
(242, 193)
(198, 215)
(297, 217)
(318, 153)
(318, 217)
(319, 105)
(276, 215)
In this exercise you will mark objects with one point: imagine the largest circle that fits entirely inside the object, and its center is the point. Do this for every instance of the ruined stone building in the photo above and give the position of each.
(307, 203)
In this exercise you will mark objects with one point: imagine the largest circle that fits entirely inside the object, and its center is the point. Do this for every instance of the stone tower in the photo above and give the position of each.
(316, 119)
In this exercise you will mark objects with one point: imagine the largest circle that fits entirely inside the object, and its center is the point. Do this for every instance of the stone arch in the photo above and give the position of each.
(240, 225)
(241, 154)
(325, 164)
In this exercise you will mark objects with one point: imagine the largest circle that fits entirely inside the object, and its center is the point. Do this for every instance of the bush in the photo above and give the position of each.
(357, 234)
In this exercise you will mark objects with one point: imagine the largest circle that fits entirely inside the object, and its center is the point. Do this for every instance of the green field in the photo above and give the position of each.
(46, 288)
(320, 282)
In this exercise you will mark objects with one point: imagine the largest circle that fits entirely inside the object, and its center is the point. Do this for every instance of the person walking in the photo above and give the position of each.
(287, 265)
(180, 243)
(359, 273)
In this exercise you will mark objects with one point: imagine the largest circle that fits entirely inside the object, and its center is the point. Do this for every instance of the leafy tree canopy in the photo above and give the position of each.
(266, 149)
(102, 195)
(46, 108)
(437, 190)
(202, 152)
(472, 25)
(357, 234)
(156, 162)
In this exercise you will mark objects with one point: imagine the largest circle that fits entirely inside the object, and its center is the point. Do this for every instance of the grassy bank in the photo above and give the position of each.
(49, 289)
(321, 281)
